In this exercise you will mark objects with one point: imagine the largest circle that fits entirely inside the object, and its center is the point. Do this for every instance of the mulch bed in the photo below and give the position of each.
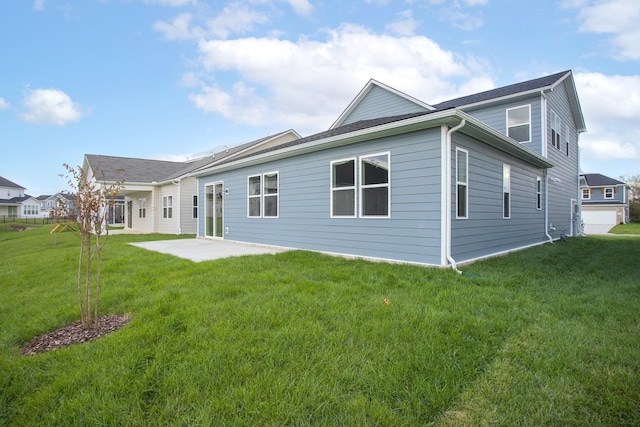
(75, 333)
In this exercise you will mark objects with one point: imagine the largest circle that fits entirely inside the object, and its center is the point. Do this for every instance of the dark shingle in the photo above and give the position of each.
(599, 180)
(4, 182)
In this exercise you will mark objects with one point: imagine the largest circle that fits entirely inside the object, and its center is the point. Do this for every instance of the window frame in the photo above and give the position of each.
(506, 191)
(588, 190)
(353, 188)
(464, 184)
(167, 207)
(566, 139)
(528, 123)
(608, 193)
(142, 207)
(266, 195)
(254, 196)
(363, 187)
(194, 206)
(538, 193)
(556, 129)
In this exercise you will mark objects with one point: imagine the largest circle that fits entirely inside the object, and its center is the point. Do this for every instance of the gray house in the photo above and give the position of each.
(397, 179)
(605, 202)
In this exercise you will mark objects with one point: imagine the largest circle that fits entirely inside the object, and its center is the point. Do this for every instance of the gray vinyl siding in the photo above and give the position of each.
(412, 233)
(597, 195)
(486, 232)
(565, 168)
(381, 103)
(496, 117)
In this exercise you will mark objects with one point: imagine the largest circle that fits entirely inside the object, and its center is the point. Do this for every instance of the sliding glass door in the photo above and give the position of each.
(213, 210)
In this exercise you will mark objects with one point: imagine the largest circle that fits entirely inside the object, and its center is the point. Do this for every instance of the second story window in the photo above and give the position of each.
(519, 123)
(608, 193)
(556, 126)
(586, 194)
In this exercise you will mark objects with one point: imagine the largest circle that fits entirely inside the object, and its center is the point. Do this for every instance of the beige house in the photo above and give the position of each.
(162, 196)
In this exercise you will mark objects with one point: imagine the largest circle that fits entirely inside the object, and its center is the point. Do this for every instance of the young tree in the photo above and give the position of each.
(633, 181)
(92, 202)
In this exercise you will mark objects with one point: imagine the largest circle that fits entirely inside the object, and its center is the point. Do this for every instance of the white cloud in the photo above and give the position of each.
(4, 104)
(611, 106)
(405, 25)
(179, 28)
(619, 18)
(50, 106)
(301, 7)
(272, 78)
(38, 5)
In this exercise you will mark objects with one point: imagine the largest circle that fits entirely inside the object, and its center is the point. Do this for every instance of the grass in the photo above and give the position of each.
(547, 336)
(630, 228)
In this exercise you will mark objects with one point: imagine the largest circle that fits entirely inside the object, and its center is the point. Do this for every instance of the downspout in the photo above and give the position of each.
(179, 205)
(543, 151)
(452, 261)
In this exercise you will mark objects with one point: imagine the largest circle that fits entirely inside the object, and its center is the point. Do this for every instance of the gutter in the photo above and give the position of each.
(447, 198)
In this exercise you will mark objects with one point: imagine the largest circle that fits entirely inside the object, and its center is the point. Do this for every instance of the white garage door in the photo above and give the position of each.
(597, 222)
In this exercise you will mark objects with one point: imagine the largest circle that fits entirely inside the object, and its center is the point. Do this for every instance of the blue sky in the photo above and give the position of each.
(168, 79)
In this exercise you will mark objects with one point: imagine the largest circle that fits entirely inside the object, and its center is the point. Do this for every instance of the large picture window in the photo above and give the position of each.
(462, 183)
(263, 195)
(519, 123)
(374, 185)
(343, 188)
(506, 191)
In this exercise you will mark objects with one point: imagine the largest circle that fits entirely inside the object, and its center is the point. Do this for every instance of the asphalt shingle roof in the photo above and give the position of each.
(500, 92)
(599, 180)
(4, 182)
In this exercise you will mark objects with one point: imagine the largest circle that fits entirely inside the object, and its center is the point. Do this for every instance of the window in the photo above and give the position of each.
(608, 193)
(167, 207)
(271, 194)
(506, 191)
(343, 188)
(255, 196)
(538, 193)
(374, 185)
(142, 208)
(566, 138)
(586, 194)
(462, 182)
(519, 123)
(194, 209)
(556, 126)
(262, 197)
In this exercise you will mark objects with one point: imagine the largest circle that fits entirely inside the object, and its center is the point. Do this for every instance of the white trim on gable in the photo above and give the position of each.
(363, 93)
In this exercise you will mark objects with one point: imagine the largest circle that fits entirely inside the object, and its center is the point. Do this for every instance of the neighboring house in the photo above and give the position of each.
(15, 203)
(160, 196)
(605, 202)
(395, 178)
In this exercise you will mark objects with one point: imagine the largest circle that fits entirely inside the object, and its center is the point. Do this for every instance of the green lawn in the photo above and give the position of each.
(547, 336)
(631, 228)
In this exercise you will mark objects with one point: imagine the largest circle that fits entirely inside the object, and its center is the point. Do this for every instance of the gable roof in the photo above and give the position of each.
(4, 182)
(599, 180)
(365, 91)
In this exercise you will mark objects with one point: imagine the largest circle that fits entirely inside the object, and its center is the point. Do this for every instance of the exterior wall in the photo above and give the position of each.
(188, 189)
(485, 231)
(11, 192)
(381, 103)
(412, 233)
(564, 177)
(137, 223)
(167, 225)
(597, 195)
(496, 117)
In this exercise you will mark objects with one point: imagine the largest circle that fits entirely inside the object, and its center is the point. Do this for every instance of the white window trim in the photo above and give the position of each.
(256, 196)
(167, 208)
(466, 184)
(194, 207)
(276, 195)
(506, 189)
(354, 188)
(361, 187)
(607, 197)
(588, 190)
(538, 193)
(556, 142)
(529, 122)
(142, 207)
